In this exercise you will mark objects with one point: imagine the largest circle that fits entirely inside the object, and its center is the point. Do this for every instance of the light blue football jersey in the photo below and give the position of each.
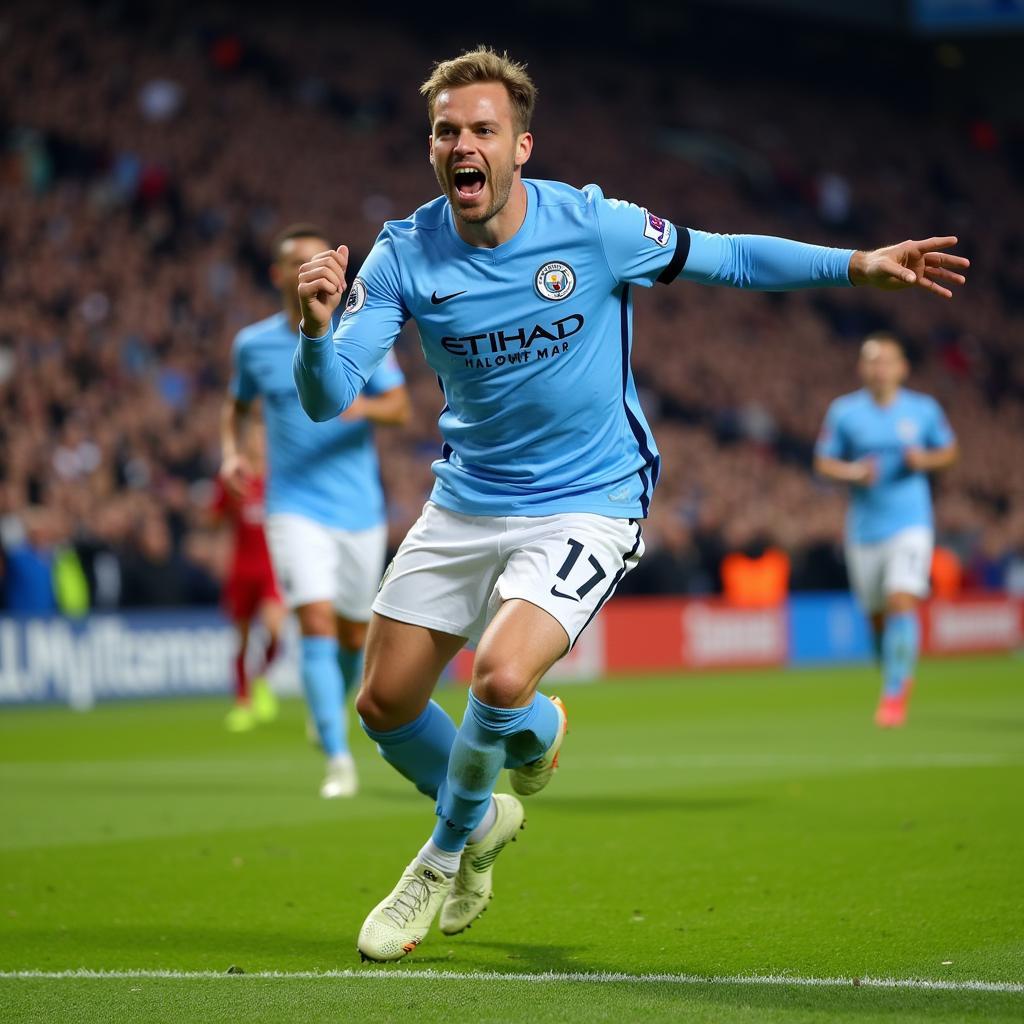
(531, 340)
(856, 427)
(327, 471)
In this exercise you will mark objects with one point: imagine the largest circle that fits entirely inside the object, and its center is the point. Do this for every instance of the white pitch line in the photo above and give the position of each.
(586, 977)
(684, 760)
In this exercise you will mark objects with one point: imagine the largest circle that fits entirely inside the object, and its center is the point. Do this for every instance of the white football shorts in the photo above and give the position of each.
(453, 571)
(900, 564)
(313, 562)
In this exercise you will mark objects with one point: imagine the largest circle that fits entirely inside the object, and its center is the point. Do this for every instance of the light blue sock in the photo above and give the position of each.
(325, 689)
(351, 665)
(419, 750)
(537, 733)
(899, 651)
(876, 643)
(488, 740)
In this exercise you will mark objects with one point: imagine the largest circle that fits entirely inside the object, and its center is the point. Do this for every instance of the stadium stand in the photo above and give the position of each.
(146, 163)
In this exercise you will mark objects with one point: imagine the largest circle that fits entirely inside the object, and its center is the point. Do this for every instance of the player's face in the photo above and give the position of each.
(882, 366)
(475, 149)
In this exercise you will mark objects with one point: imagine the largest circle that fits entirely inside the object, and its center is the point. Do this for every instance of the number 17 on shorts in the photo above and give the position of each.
(454, 571)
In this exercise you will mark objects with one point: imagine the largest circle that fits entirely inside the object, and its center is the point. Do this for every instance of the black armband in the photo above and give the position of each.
(678, 261)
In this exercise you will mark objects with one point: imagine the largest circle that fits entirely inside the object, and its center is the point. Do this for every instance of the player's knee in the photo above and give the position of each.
(352, 635)
(370, 710)
(378, 711)
(316, 619)
(899, 603)
(499, 685)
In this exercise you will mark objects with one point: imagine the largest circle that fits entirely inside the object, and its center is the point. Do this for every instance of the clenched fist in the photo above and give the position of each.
(321, 286)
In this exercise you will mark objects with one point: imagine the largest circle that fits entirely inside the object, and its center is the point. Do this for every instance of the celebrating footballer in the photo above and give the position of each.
(522, 293)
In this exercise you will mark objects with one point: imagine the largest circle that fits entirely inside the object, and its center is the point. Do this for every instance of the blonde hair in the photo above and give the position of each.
(484, 65)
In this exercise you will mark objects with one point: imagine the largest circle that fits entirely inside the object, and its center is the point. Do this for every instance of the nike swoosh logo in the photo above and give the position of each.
(438, 299)
(555, 592)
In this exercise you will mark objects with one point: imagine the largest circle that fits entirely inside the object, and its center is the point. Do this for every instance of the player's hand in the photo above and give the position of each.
(911, 264)
(236, 475)
(321, 286)
(915, 460)
(356, 411)
(864, 472)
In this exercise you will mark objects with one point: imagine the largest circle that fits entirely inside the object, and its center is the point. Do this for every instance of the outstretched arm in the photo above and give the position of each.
(778, 264)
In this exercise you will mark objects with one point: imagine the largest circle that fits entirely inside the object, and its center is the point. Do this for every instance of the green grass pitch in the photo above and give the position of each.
(714, 827)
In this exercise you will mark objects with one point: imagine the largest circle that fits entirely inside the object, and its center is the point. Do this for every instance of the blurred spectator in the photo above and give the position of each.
(160, 99)
(947, 573)
(673, 564)
(1014, 580)
(28, 564)
(152, 573)
(754, 573)
(98, 547)
(987, 569)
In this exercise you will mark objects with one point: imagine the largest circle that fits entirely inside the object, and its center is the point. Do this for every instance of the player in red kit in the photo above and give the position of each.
(250, 590)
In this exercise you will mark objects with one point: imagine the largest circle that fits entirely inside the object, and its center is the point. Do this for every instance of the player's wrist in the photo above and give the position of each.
(312, 330)
(857, 270)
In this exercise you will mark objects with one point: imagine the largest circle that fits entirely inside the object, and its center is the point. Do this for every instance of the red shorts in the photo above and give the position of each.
(243, 595)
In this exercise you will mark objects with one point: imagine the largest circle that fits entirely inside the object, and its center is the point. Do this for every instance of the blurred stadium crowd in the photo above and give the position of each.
(146, 165)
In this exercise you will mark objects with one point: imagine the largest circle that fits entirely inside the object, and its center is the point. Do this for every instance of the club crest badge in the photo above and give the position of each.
(555, 281)
(906, 429)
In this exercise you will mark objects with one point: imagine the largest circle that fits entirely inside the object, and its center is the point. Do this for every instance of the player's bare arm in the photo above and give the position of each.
(390, 409)
(911, 264)
(235, 470)
(860, 472)
(931, 460)
(322, 283)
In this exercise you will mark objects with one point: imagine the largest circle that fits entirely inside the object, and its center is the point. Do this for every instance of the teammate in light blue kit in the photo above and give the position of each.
(882, 441)
(522, 294)
(325, 525)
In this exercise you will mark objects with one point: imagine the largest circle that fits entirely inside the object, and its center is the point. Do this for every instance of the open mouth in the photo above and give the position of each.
(469, 181)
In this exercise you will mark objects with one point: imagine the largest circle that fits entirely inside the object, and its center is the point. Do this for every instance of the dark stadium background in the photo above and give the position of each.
(149, 152)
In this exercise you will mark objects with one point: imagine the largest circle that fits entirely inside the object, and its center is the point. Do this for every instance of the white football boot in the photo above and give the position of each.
(341, 779)
(471, 888)
(533, 777)
(398, 924)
